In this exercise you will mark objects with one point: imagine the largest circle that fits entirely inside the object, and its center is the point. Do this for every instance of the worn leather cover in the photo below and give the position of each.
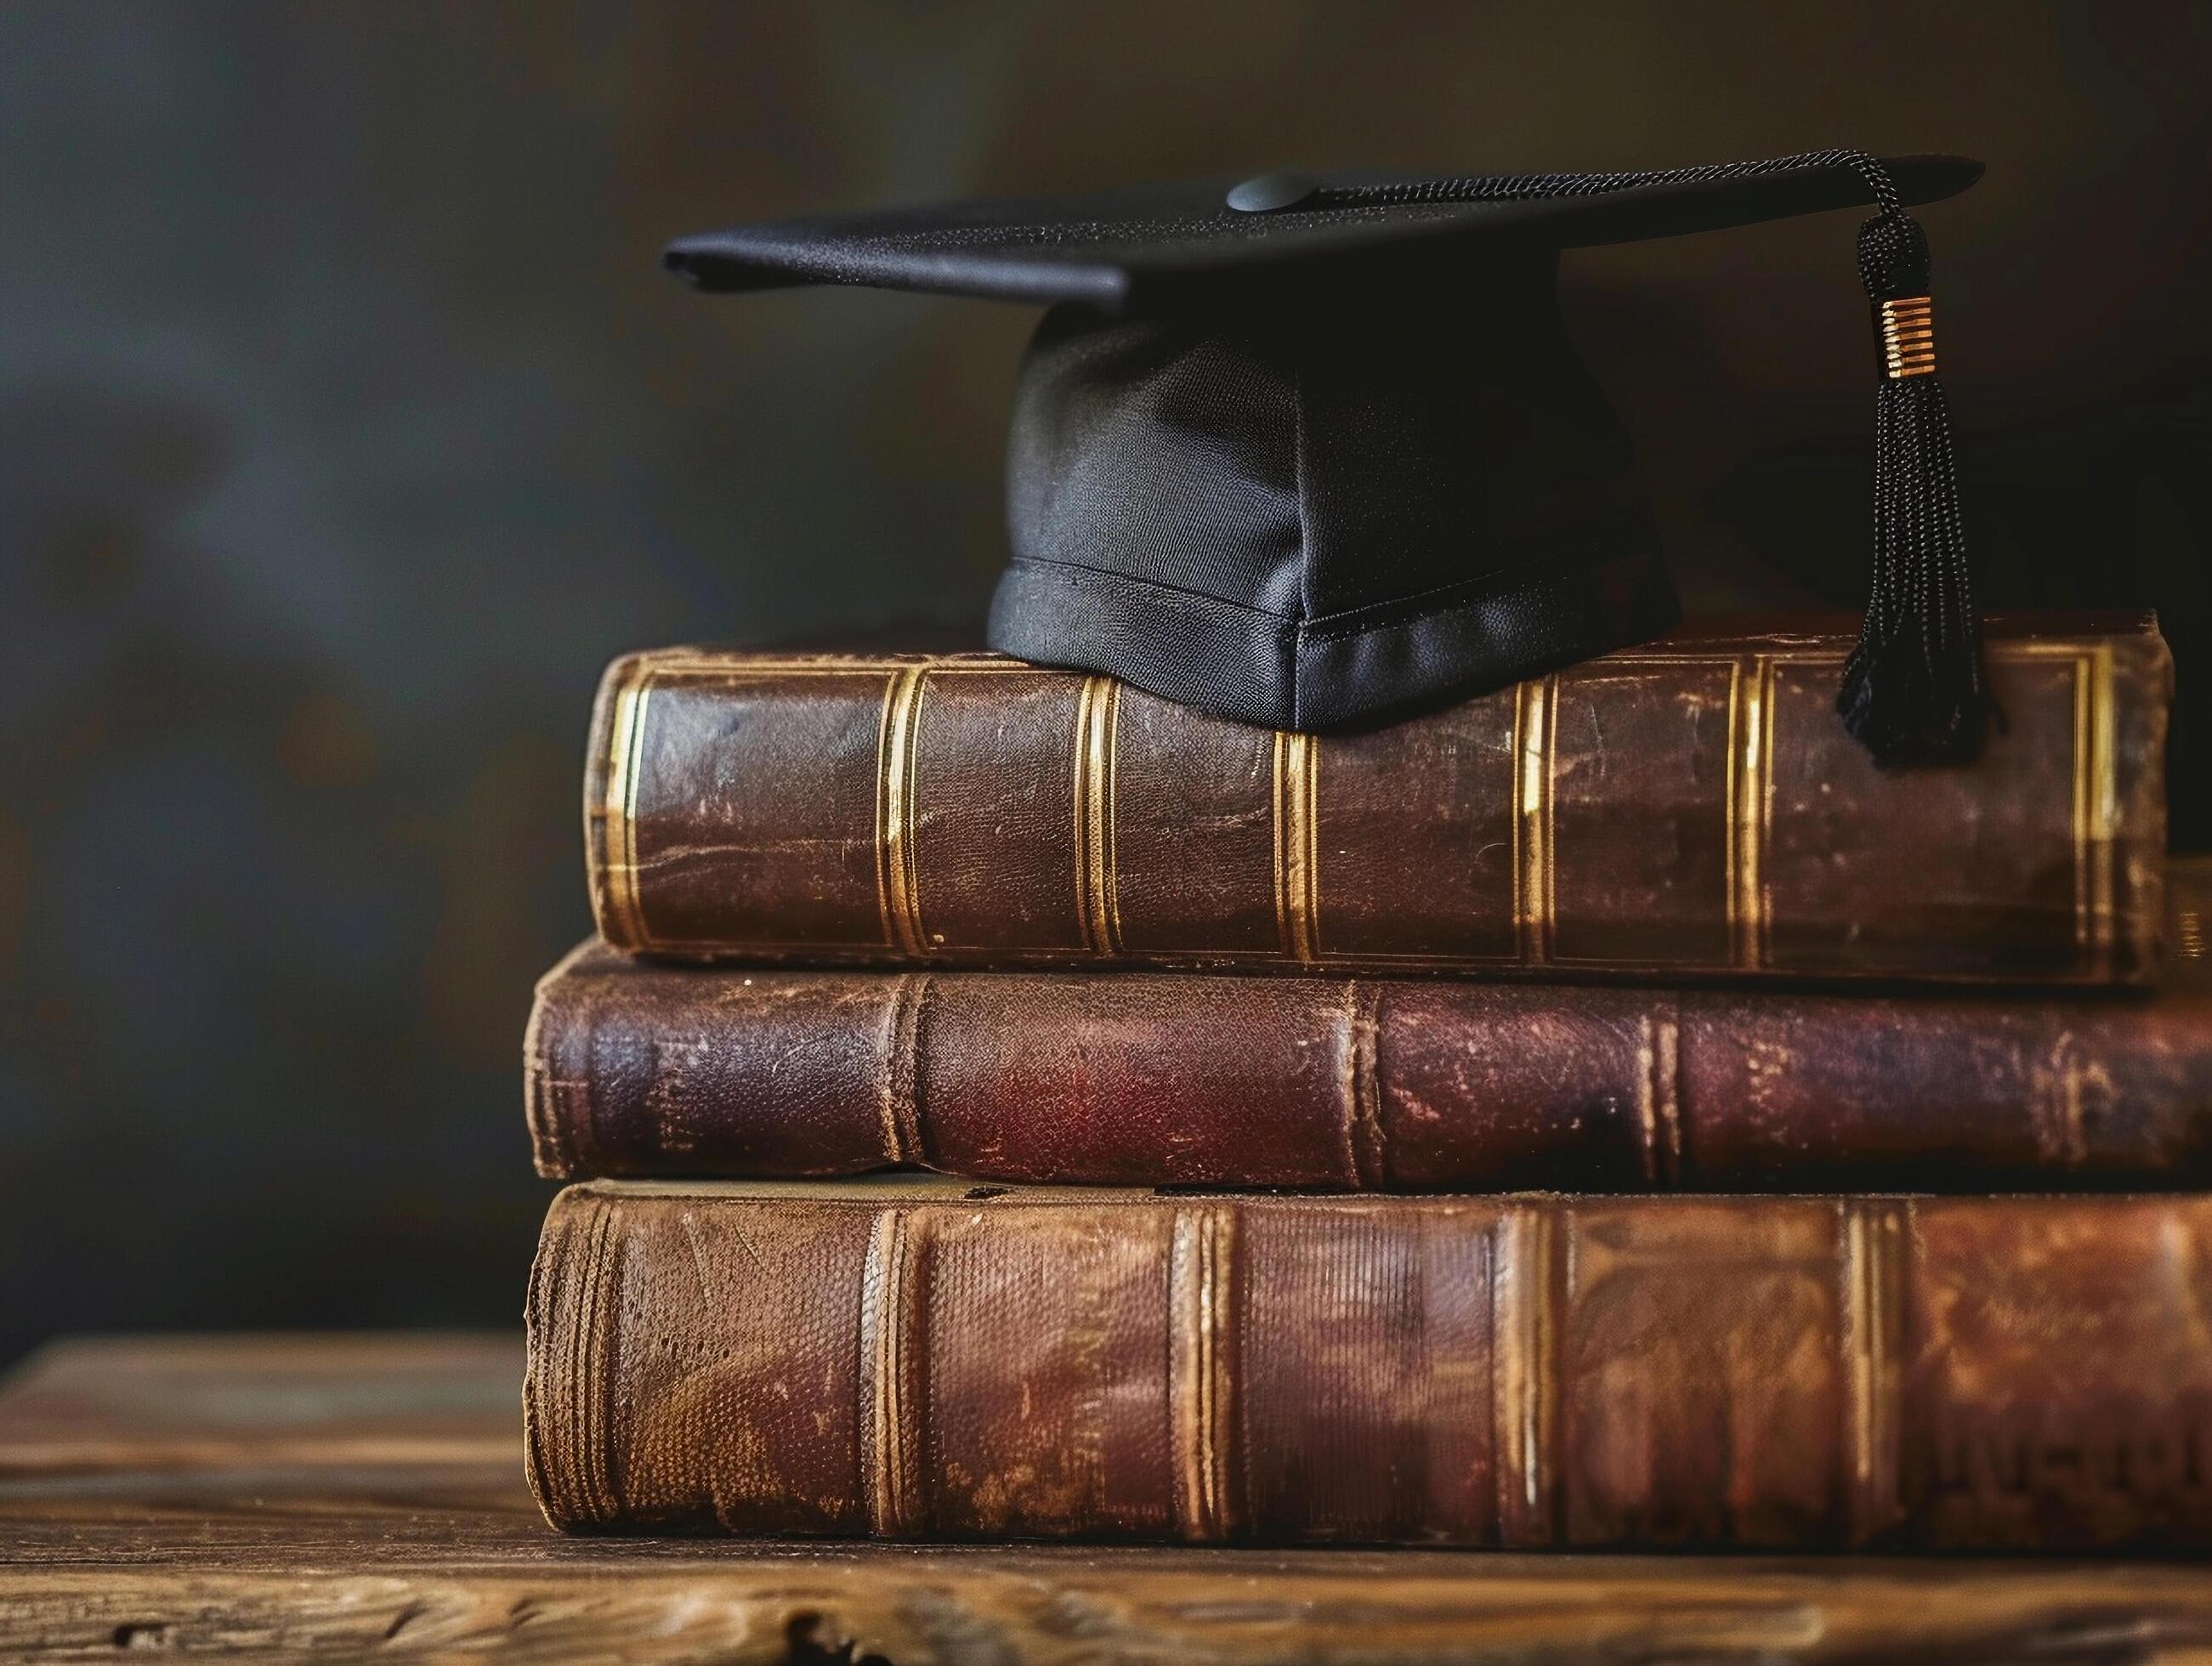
(922, 1359)
(634, 1067)
(1693, 806)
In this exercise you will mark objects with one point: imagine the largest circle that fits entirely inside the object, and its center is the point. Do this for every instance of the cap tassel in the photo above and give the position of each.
(1912, 689)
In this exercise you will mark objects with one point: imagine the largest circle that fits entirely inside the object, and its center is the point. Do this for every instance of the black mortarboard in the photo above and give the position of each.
(1304, 453)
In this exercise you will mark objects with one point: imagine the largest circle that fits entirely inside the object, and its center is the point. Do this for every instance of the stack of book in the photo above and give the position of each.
(1274, 1119)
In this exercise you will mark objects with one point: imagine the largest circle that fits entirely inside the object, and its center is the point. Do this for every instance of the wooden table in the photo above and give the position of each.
(362, 1496)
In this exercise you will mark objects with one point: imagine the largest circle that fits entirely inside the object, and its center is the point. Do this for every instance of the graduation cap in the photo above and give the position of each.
(1307, 452)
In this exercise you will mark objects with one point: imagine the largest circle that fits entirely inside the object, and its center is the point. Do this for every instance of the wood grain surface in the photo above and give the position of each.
(360, 1497)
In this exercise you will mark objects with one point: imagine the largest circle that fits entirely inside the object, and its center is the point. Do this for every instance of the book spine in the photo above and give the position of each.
(1690, 807)
(1138, 1078)
(1532, 1372)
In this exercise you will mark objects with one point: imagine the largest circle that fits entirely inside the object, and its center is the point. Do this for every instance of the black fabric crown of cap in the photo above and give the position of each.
(1306, 453)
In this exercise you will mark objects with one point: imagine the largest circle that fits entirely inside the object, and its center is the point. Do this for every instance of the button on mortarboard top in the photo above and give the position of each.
(1311, 451)
(1266, 192)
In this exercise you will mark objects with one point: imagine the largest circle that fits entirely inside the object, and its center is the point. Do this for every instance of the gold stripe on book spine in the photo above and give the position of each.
(1659, 1099)
(2097, 762)
(2096, 806)
(2084, 788)
(897, 893)
(1298, 852)
(889, 1417)
(617, 832)
(1526, 1297)
(1534, 704)
(737, 665)
(1201, 1287)
(1871, 1245)
(1750, 808)
(1097, 722)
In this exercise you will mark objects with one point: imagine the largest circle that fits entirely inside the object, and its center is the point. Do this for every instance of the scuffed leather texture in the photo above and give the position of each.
(1693, 806)
(923, 1361)
(635, 1068)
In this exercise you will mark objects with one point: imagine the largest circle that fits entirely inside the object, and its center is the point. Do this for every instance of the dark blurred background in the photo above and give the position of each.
(347, 427)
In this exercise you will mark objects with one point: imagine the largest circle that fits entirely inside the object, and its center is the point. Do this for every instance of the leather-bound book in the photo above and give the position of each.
(922, 1359)
(1690, 807)
(635, 1067)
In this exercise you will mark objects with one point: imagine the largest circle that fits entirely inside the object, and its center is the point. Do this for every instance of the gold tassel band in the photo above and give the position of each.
(1908, 336)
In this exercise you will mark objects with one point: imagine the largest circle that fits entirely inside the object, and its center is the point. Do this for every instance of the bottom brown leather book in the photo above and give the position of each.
(920, 1358)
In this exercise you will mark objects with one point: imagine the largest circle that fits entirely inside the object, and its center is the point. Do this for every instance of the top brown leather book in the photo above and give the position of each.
(1690, 807)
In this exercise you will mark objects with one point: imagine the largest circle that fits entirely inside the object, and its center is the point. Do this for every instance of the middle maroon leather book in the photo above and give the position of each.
(638, 1068)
